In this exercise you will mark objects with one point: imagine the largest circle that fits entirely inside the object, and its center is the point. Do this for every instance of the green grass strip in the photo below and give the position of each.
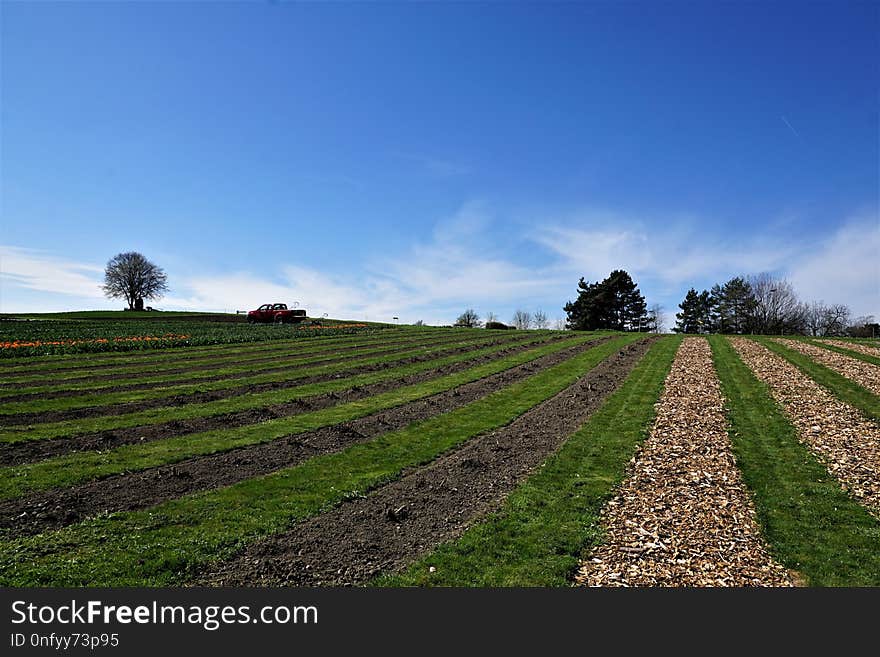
(78, 467)
(128, 396)
(81, 360)
(238, 365)
(161, 545)
(249, 401)
(844, 389)
(545, 525)
(810, 523)
(858, 355)
(280, 349)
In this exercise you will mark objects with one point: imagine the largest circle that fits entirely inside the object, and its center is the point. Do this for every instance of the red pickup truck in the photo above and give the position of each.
(275, 313)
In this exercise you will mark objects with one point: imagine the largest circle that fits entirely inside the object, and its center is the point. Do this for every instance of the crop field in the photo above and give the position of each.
(415, 456)
(104, 331)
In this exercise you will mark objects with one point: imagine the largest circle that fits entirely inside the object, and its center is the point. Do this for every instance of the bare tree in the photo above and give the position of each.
(656, 319)
(491, 317)
(836, 319)
(469, 318)
(522, 319)
(559, 324)
(419, 322)
(132, 277)
(777, 309)
(540, 319)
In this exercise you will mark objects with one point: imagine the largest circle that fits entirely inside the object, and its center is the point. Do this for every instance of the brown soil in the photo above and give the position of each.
(56, 508)
(401, 521)
(213, 395)
(35, 450)
(287, 358)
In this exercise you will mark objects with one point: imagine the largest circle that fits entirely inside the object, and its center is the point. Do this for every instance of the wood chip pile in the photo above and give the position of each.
(866, 349)
(683, 516)
(847, 442)
(865, 374)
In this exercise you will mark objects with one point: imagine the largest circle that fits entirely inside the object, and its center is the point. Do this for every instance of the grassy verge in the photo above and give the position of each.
(160, 546)
(844, 389)
(100, 398)
(249, 401)
(240, 365)
(219, 358)
(84, 466)
(811, 524)
(537, 537)
(858, 355)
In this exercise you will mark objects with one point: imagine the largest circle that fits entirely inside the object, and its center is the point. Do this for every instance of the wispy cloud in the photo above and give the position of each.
(463, 264)
(846, 267)
(791, 127)
(36, 270)
(436, 166)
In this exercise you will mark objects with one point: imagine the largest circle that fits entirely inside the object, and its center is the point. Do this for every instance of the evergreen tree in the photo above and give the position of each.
(615, 303)
(696, 313)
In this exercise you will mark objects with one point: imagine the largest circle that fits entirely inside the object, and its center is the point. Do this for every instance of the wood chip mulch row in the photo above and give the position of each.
(847, 442)
(858, 371)
(683, 517)
(866, 349)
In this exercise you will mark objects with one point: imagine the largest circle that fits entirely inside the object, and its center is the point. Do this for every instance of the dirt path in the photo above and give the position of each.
(847, 442)
(57, 508)
(35, 450)
(683, 516)
(213, 395)
(399, 522)
(858, 371)
(866, 349)
(285, 364)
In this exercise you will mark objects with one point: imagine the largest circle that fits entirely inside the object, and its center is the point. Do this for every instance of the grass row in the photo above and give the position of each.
(238, 365)
(250, 401)
(162, 545)
(810, 523)
(79, 467)
(537, 537)
(858, 355)
(105, 398)
(844, 389)
(227, 355)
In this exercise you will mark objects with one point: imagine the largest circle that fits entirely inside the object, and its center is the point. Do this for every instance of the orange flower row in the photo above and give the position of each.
(15, 344)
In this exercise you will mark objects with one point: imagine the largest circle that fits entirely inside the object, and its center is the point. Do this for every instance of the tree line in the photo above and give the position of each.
(764, 305)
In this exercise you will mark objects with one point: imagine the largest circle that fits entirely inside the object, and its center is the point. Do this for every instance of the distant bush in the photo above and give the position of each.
(498, 325)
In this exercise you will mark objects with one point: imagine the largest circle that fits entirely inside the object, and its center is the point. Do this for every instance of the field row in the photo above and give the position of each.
(467, 458)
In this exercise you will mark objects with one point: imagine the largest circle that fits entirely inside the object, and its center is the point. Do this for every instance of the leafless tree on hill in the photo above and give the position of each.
(132, 277)
(540, 319)
(522, 319)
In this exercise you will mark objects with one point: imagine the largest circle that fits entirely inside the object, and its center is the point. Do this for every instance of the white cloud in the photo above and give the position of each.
(845, 268)
(462, 265)
(39, 271)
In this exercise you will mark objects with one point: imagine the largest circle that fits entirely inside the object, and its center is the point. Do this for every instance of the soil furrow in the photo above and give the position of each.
(404, 519)
(332, 358)
(57, 508)
(846, 441)
(857, 371)
(35, 450)
(225, 361)
(683, 516)
(214, 395)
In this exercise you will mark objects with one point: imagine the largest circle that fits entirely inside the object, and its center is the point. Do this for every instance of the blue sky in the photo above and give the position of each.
(371, 160)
